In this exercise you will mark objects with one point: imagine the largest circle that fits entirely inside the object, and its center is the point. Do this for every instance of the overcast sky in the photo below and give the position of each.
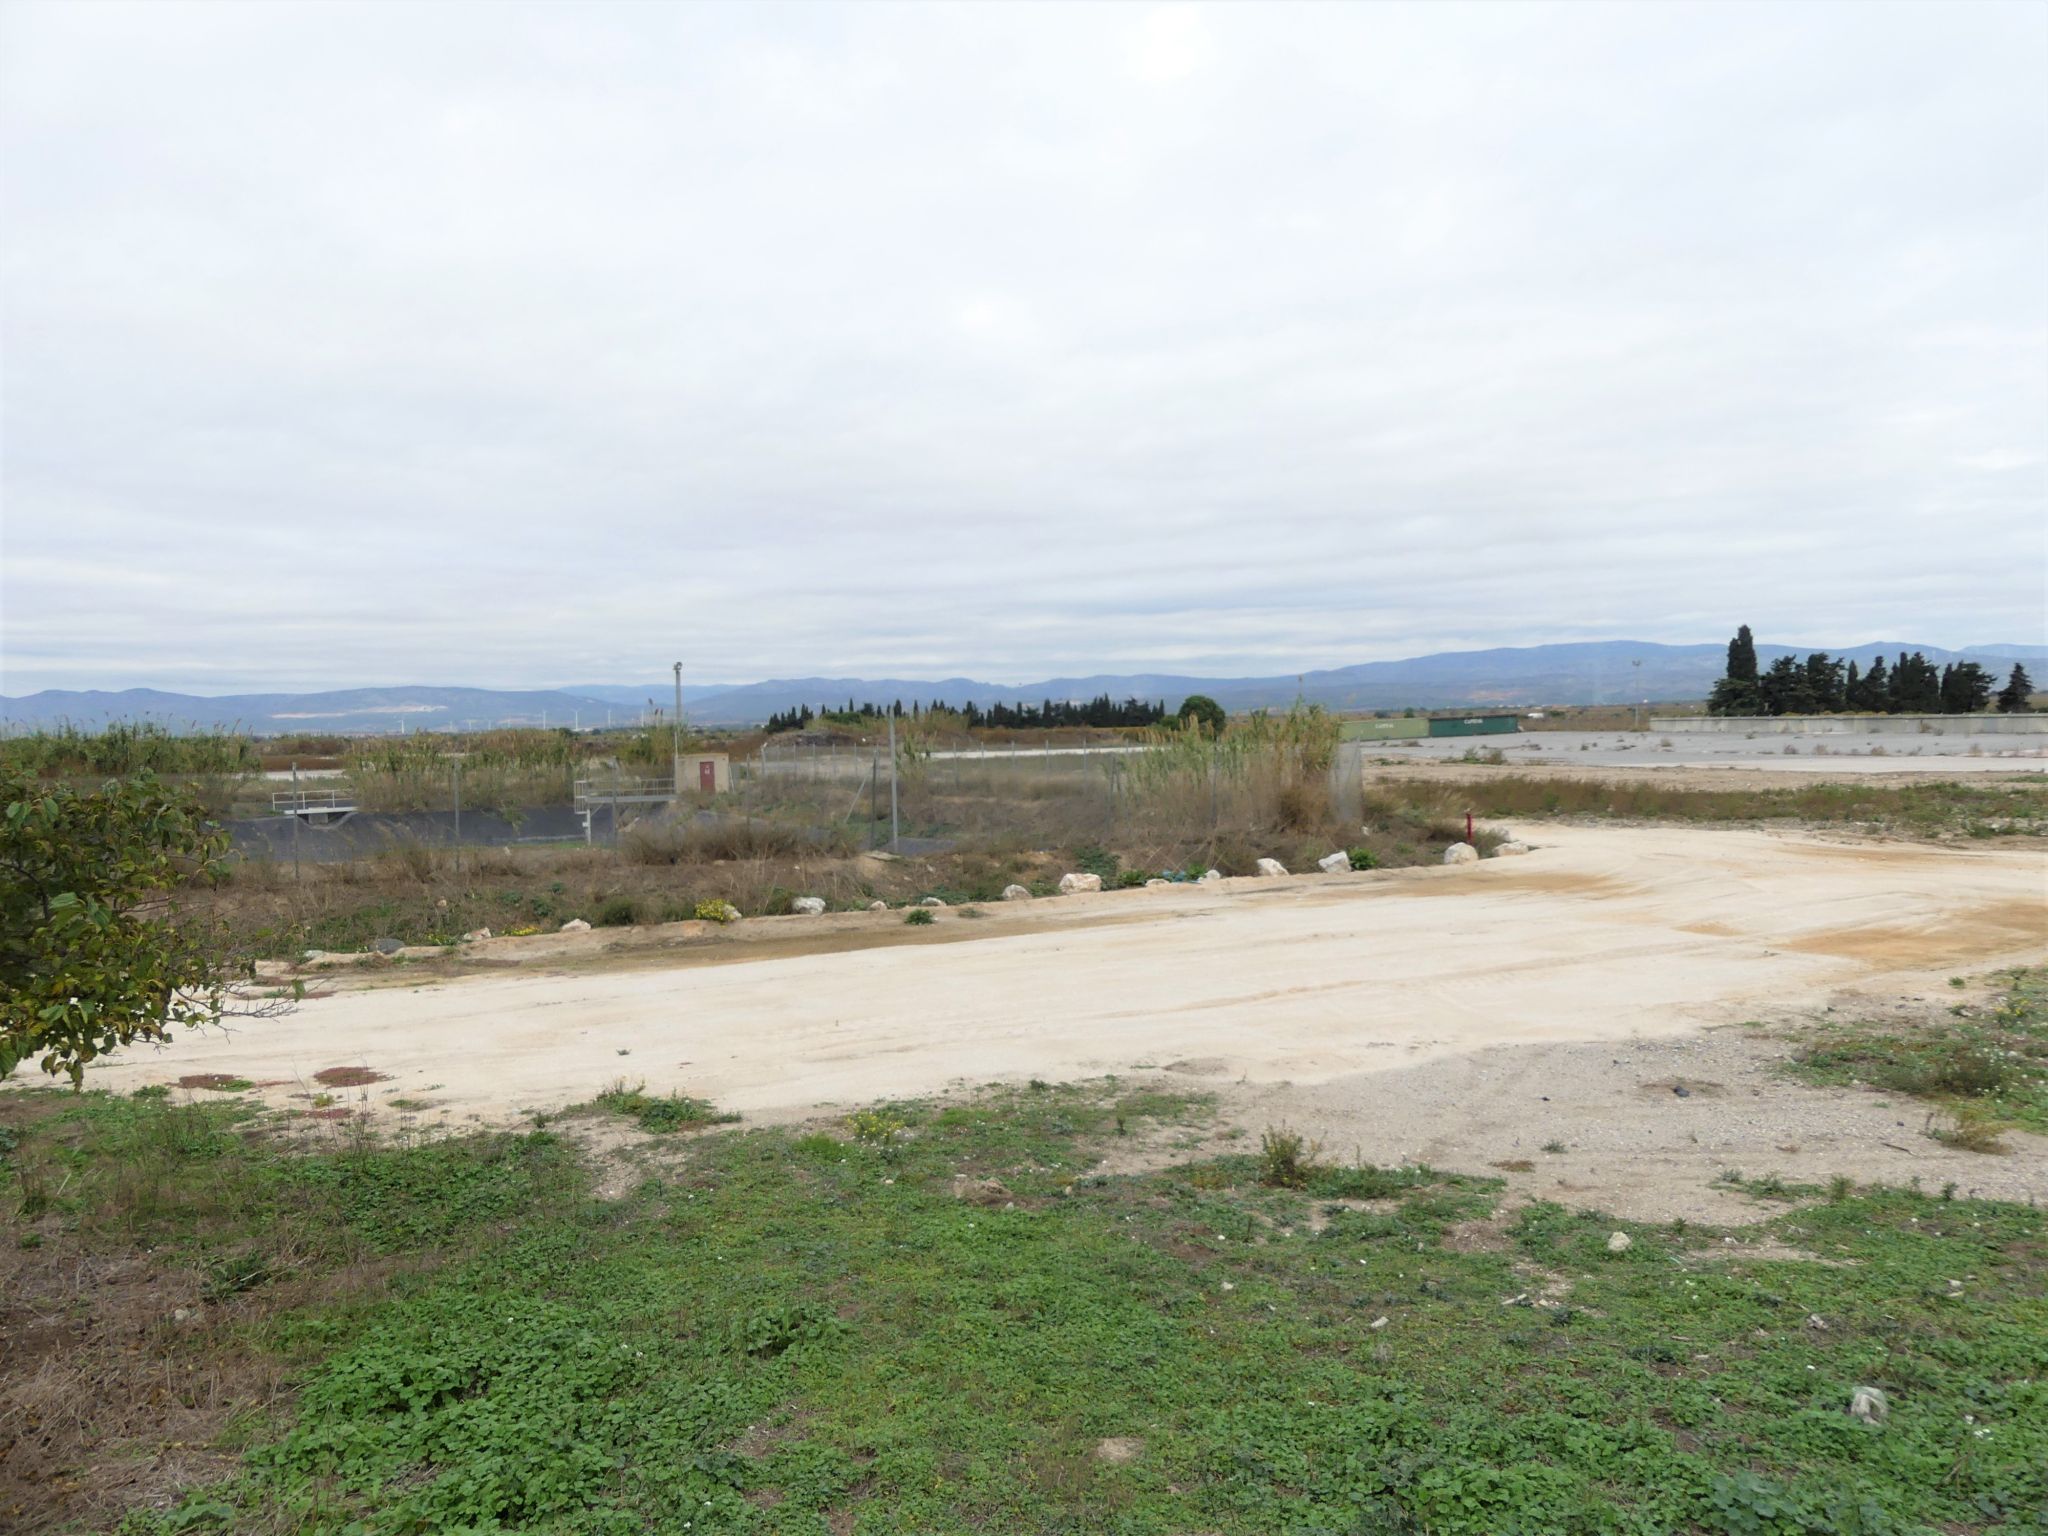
(546, 344)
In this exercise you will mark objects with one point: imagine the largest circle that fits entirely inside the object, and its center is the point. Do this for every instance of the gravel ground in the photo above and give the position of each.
(1633, 1145)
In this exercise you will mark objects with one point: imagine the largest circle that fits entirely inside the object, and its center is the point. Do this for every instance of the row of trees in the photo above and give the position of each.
(1099, 711)
(1821, 684)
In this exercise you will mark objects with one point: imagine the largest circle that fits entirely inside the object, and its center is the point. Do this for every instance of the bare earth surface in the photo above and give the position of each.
(1457, 1016)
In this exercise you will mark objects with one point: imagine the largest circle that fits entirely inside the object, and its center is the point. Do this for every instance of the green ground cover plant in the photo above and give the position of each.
(1985, 1064)
(789, 1331)
(662, 1112)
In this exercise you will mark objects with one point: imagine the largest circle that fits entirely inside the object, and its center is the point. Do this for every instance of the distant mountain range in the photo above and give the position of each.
(1587, 672)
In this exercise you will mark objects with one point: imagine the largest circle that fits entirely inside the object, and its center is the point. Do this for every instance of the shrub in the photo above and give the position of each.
(717, 912)
(1094, 859)
(615, 912)
(918, 917)
(1968, 1128)
(89, 960)
(660, 1115)
(1965, 1070)
(1286, 1158)
(1303, 804)
(1362, 858)
(873, 1127)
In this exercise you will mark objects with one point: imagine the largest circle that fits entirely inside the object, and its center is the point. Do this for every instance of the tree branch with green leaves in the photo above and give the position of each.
(92, 955)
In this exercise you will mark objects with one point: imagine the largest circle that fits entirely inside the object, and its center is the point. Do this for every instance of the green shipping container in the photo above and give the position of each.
(1385, 730)
(1476, 725)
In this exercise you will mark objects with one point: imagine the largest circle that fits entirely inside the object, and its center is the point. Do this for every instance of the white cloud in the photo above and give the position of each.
(524, 345)
(1171, 43)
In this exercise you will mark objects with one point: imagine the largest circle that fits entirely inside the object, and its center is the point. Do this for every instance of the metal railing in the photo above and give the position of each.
(604, 791)
(296, 802)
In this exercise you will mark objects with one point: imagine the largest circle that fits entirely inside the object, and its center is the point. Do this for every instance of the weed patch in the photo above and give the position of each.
(803, 1333)
(662, 1113)
(1983, 1065)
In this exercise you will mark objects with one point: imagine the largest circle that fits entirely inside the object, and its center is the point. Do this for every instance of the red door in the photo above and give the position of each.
(707, 777)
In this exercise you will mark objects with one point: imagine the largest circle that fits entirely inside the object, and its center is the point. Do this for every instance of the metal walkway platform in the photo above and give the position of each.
(624, 792)
(314, 807)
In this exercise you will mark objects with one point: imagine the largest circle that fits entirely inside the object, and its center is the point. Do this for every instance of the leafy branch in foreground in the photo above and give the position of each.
(90, 957)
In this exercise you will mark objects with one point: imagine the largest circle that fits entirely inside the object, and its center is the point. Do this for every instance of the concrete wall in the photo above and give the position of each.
(1475, 725)
(1410, 729)
(1851, 725)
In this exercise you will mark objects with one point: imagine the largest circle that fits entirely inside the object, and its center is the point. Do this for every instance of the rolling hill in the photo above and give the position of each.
(1587, 672)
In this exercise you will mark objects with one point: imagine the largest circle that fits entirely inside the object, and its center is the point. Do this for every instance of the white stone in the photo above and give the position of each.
(1211, 876)
(1461, 853)
(1015, 893)
(575, 925)
(931, 901)
(1870, 1405)
(475, 934)
(1336, 864)
(1510, 850)
(1620, 1242)
(808, 906)
(1156, 881)
(1071, 883)
(878, 906)
(1272, 867)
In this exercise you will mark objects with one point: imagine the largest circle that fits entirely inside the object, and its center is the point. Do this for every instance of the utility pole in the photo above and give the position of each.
(679, 731)
(893, 827)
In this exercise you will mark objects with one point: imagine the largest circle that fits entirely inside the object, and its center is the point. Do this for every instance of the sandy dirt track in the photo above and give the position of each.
(1601, 935)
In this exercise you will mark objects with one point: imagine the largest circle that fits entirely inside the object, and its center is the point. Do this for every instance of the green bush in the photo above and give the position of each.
(1094, 859)
(615, 912)
(918, 917)
(1286, 1158)
(660, 1115)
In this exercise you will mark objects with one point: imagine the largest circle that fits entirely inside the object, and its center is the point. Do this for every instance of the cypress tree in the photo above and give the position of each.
(1742, 656)
(1965, 688)
(2013, 697)
(1784, 688)
(1738, 693)
(1823, 683)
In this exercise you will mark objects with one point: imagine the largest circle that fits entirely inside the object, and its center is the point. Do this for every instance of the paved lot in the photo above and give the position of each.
(1836, 755)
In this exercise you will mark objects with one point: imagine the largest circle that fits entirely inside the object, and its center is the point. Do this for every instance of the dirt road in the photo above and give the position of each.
(1602, 934)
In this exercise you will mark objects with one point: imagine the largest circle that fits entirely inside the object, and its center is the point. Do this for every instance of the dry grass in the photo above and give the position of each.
(1271, 790)
(2015, 807)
